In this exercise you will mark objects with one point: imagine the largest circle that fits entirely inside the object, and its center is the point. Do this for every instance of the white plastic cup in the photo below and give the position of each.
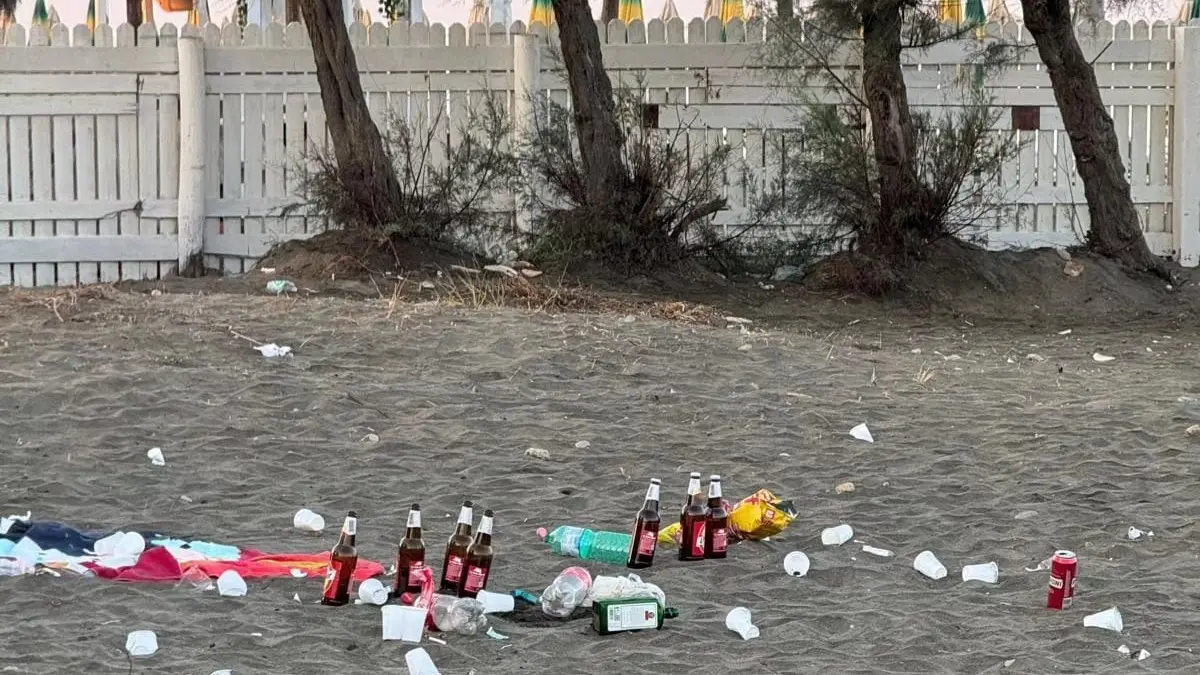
(836, 536)
(738, 621)
(231, 584)
(988, 573)
(401, 622)
(141, 643)
(796, 564)
(308, 521)
(419, 663)
(496, 603)
(372, 592)
(927, 563)
(156, 457)
(1109, 619)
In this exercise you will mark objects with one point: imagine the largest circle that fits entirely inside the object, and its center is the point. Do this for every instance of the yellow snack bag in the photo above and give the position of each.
(669, 535)
(761, 515)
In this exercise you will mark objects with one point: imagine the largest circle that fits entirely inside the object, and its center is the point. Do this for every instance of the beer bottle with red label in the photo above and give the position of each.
(693, 487)
(645, 530)
(692, 523)
(342, 561)
(456, 551)
(479, 560)
(716, 529)
(410, 556)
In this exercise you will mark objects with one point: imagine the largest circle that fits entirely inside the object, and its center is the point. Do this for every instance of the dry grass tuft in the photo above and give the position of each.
(62, 302)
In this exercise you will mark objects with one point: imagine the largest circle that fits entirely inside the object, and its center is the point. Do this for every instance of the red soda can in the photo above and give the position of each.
(1064, 570)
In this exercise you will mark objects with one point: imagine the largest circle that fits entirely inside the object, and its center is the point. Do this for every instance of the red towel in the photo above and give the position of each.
(157, 564)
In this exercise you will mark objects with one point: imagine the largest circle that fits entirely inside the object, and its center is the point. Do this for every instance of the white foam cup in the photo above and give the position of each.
(372, 592)
(419, 663)
(988, 573)
(927, 563)
(796, 564)
(496, 603)
(738, 621)
(401, 622)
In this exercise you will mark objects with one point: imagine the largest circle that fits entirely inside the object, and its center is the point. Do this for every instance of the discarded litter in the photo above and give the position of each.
(988, 573)
(120, 545)
(464, 616)
(280, 286)
(156, 457)
(618, 615)
(372, 592)
(881, 552)
(222, 672)
(843, 488)
(579, 542)
(491, 632)
(7, 523)
(402, 622)
(537, 453)
(1109, 619)
(1134, 533)
(496, 603)
(231, 584)
(195, 579)
(308, 521)
(419, 663)
(1140, 655)
(583, 445)
(836, 536)
(568, 591)
(141, 643)
(738, 621)
(1102, 358)
(272, 350)
(862, 433)
(927, 563)
(796, 564)
(757, 517)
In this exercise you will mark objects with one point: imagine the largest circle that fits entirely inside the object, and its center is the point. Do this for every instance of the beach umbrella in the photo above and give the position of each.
(53, 16)
(998, 11)
(732, 9)
(629, 11)
(40, 17)
(712, 9)
(541, 12)
(479, 13)
(1189, 11)
(975, 15)
(670, 11)
(91, 15)
(950, 11)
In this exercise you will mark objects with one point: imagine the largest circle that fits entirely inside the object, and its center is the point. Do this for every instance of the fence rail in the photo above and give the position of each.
(123, 152)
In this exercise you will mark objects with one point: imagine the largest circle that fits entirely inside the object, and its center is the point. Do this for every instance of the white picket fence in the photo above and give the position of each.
(122, 154)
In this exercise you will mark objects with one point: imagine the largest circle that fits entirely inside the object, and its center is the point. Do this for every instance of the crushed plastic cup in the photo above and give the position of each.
(927, 563)
(1109, 619)
(405, 623)
(195, 579)
(738, 621)
(141, 643)
(496, 603)
(796, 564)
(280, 286)
(372, 592)
(862, 433)
(225, 671)
(308, 521)
(273, 350)
(231, 584)
(988, 573)
(836, 536)
(156, 457)
(120, 545)
(1134, 533)
(419, 663)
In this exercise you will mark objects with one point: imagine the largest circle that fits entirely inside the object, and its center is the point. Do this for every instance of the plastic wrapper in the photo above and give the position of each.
(758, 516)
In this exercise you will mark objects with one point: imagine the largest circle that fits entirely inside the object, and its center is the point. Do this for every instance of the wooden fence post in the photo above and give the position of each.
(191, 151)
(526, 71)
(1185, 147)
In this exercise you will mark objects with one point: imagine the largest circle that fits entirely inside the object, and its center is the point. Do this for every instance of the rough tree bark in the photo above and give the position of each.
(891, 129)
(592, 98)
(785, 9)
(291, 11)
(133, 12)
(1115, 229)
(609, 10)
(363, 165)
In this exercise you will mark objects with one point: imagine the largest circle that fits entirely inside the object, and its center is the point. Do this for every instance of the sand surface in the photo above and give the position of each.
(969, 434)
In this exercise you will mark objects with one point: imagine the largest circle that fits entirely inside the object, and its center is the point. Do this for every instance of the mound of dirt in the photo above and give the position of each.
(348, 254)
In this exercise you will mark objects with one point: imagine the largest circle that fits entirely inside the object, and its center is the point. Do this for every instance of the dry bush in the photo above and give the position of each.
(443, 200)
(673, 190)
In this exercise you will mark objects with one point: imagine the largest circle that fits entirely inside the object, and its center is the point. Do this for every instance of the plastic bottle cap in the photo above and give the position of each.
(542, 533)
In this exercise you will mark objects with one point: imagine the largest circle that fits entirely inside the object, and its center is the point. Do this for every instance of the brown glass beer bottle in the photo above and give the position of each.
(645, 529)
(479, 560)
(692, 488)
(716, 529)
(456, 551)
(692, 523)
(410, 556)
(342, 561)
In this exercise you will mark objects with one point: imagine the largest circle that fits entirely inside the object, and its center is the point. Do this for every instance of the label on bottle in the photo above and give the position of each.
(330, 591)
(636, 615)
(647, 541)
(720, 540)
(454, 567)
(414, 519)
(476, 578)
(351, 526)
(696, 541)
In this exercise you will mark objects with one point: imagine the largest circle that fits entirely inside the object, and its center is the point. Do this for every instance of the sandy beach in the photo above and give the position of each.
(384, 404)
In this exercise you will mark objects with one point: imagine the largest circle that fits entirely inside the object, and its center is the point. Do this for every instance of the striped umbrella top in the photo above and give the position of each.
(1189, 10)
(950, 11)
(670, 11)
(541, 12)
(629, 11)
(40, 17)
(479, 13)
(732, 9)
(975, 14)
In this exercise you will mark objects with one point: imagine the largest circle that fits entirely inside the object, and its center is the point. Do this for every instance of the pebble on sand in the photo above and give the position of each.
(843, 488)
(537, 453)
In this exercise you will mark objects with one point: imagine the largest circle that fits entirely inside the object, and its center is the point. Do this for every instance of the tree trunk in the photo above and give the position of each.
(891, 130)
(592, 98)
(363, 166)
(291, 11)
(1115, 230)
(784, 9)
(609, 10)
(133, 12)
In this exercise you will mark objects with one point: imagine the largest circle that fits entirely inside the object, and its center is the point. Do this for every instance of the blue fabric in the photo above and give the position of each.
(6, 547)
(49, 534)
(207, 549)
